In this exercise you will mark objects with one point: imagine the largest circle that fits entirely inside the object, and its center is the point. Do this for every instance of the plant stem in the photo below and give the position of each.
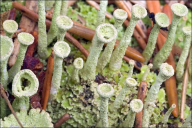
(64, 7)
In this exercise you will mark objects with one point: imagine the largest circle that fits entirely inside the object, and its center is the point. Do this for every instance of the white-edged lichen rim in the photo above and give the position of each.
(162, 19)
(25, 38)
(10, 26)
(179, 9)
(131, 62)
(167, 69)
(61, 49)
(106, 32)
(105, 90)
(30, 89)
(6, 47)
(64, 22)
(136, 105)
(131, 82)
(187, 30)
(120, 14)
(138, 11)
(78, 63)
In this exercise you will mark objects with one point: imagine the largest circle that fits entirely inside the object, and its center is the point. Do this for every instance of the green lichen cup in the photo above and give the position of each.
(61, 49)
(10, 27)
(25, 38)
(138, 12)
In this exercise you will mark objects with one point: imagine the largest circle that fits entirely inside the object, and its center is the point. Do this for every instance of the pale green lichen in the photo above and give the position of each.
(25, 39)
(130, 82)
(6, 50)
(131, 63)
(42, 36)
(105, 33)
(166, 71)
(101, 12)
(138, 12)
(25, 84)
(52, 33)
(35, 118)
(136, 106)
(49, 4)
(161, 20)
(10, 27)
(105, 91)
(184, 54)
(78, 64)
(120, 16)
(168, 113)
(61, 50)
(64, 7)
(147, 71)
(179, 10)
(63, 23)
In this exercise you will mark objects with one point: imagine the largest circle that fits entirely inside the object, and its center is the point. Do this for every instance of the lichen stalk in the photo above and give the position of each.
(147, 72)
(61, 50)
(130, 82)
(168, 113)
(78, 65)
(25, 39)
(42, 37)
(10, 27)
(6, 50)
(105, 91)
(64, 7)
(162, 20)
(137, 12)
(101, 12)
(120, 16)
(63, 23)
(136, 106)
(53, 28)
(25, 84)
(131, 64)
(105, 33)
(179, 10)
(166, 71)
(181, 63)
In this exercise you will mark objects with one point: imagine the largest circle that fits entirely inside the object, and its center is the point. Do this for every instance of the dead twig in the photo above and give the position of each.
(62, 120)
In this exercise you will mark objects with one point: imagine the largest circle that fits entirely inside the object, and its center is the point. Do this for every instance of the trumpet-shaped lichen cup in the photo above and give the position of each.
(10, 27)
(78, 65)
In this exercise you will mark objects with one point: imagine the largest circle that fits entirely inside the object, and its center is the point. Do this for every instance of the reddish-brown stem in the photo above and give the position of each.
(3, 94)
(184, 89)
(12, 14)
(141, 95)
(31, 49)
(47, 81)
(62, 120)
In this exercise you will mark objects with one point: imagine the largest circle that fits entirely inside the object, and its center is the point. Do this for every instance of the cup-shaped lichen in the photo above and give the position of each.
(25, 84)
(101, 12)
(52, 33)
(10, 27)
(105, 91)
(166, 71)
(137, 12)
(161, 20)
(120, 16)
(136, 106)
(78, 64)
(63, 23)
(6, 50)
(25, 39)
(61, 50)
(179, 10)
(105, 33)
(130, 82)
(147, 71)
(181, 63)
(168, 113)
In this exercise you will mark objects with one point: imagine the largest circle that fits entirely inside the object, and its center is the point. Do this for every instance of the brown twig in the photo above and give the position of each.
(3, 94)
(141, 95)
(12, 14)
(47, 81)
(31, 48)
(184, 89)
(62, 120)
